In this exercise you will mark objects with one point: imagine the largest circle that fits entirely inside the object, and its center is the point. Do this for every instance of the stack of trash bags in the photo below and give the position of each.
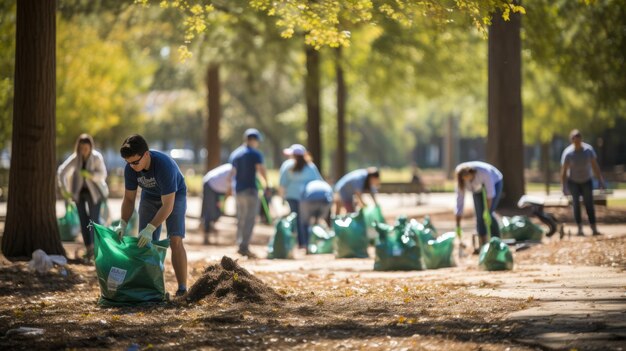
(128, 275)
(410, 245)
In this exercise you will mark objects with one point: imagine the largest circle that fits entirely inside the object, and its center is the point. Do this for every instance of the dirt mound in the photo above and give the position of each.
(228, 280)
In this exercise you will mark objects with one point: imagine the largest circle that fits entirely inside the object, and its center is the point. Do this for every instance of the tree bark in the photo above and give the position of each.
(312, 91)
(342, 97)
(31, 219)
(215, 115)
(505, 148)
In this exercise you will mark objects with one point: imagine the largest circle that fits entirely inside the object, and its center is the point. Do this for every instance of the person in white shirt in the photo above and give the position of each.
(476, 176)
(214, 188)
(82, 180)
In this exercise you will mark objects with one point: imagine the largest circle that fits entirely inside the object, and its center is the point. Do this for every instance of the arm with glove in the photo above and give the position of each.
(145, 234)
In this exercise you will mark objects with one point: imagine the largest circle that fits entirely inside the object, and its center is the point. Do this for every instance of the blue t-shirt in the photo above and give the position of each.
(294, 182)
(245, 159)
(163, 177)
(317, 190)
(351, 183)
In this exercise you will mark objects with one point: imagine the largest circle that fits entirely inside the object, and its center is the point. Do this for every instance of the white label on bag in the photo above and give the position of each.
(116, 278)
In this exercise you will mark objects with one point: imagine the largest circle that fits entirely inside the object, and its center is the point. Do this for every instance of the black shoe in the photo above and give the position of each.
(180, 292)
(247, 253)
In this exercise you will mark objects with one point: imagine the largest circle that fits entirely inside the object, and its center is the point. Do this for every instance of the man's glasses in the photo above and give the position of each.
(136, 162)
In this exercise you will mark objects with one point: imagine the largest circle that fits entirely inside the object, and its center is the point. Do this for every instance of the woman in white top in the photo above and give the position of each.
(476, 176)
(82, 179)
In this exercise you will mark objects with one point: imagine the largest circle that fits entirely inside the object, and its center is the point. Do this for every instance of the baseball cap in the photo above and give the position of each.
(295, 150)
(252, 132)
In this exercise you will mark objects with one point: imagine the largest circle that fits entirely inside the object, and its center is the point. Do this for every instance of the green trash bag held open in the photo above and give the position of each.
(495, 256)
(321, 240)
(283, 242)
(69, 224)
(128, 275)
(520, 228)
(351, 235)
(397, 248)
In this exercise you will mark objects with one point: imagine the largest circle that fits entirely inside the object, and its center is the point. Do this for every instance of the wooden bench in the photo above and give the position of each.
(599, 198)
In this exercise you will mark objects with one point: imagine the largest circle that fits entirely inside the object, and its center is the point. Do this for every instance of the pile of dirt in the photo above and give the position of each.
(228, 280)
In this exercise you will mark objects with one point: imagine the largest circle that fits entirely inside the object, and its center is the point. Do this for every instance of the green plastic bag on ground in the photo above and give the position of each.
(69, 224)
(351, 235)
(397, 248)
(520, 228)
(128, 275)
(372, 214)
(132, 227)
(283, 242)
(321, 240)
(495, 256)
(438, 253)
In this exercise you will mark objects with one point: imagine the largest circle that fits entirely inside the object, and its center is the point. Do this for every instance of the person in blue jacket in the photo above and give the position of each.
(163, 199)
(315, 203)
(351, 187)
(295, 173)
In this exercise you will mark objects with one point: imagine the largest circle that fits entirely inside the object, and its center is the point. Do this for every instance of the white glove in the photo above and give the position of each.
(145, 235)
(121, 229)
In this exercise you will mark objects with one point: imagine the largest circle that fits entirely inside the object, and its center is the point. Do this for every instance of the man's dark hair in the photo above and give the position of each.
(372, 172)
(133, 145)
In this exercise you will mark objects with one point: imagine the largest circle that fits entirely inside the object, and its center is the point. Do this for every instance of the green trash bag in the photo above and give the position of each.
(69, 224)
(438, 253)
(495, 256)
(283, 242)
(132, 227)
(520, 228)
(397, 248)
(372, 214)
(321, 240)
(351, 236)
(128, 275)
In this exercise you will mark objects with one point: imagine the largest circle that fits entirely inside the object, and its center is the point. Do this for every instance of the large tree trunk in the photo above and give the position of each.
(312, 91)
(31, 220)
(342, 96)
(505, 148)
(215, 114)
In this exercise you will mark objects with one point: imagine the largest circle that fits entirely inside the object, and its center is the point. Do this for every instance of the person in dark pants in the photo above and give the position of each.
(214, 188)
(476, 176)
(82, 180)
(578, 161)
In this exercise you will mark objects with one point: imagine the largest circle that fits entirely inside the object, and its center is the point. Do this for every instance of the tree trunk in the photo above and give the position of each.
(215, 114)
(31, 219)
(505, 148)
(342, 96)
(312, 91)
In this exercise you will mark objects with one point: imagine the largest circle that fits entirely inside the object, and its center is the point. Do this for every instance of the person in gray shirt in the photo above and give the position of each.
(577, 164)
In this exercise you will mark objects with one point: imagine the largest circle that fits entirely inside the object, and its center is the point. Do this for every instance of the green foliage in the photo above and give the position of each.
(7, 69)
(97, 85)
(574, 66)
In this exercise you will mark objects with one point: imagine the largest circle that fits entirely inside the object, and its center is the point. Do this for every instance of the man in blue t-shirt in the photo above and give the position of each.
(578, 162)
(247, 161)
(163, 199)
